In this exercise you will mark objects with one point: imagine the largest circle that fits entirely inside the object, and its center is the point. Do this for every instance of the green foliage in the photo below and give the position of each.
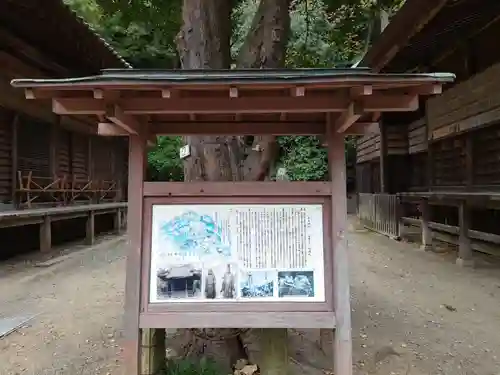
(303, 158)
(140, 42)
(324, 33)
(164, 163)
(188, 367)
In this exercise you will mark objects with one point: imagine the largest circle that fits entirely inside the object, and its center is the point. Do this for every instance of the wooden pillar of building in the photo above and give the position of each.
(465, 258)
(384, 188)
(14, 160)
(425, 209)
(430, 158)
(90, 229)
(46, 234)
(469, 161)
(53, 162)
(117, 222)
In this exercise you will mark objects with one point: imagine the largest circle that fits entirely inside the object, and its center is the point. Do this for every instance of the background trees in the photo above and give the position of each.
(323, 33)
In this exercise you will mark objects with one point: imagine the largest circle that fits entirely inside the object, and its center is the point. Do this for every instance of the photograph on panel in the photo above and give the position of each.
(258, 284)
(296, 284)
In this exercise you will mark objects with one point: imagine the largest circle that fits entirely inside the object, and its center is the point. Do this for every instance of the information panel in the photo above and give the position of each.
(244, 252)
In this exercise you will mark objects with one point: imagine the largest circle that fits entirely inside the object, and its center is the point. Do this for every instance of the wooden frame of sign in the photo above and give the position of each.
(329, 103)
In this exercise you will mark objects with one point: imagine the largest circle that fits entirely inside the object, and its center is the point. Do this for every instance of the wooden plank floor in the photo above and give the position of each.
(49, 211)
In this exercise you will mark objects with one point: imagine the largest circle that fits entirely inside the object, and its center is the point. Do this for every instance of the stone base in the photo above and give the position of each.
(465, 262)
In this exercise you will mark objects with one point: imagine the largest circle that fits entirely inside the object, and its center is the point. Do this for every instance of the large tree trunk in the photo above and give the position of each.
(204, 43)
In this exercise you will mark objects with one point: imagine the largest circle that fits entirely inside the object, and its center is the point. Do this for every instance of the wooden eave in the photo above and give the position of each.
(301, 101)
(424, 32)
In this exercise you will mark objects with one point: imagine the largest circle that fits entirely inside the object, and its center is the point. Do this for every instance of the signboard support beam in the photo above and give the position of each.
(274, 348)
(342, 344)
(152, 351)
(137, 166)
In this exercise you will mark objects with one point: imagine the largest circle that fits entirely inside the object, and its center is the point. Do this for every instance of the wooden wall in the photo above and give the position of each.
(63, 154)
(33, 146)
(486, 156)
(466, 106)
(396, 138)
(80, 166)
(48, 150)
(6, 121)
(417, 136)
(368, 147)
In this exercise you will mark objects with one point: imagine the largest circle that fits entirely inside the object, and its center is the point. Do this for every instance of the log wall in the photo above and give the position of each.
(397, 139)
(417, 136)
(466, 106)
(486, 156)
(6, 121)
(48, 150)
(368, 147)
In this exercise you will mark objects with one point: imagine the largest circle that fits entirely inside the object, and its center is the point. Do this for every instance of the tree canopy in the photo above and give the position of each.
(324, 33)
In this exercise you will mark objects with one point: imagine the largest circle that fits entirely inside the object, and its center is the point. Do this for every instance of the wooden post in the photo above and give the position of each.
(426, 229)
(469, 161)
(54, 128)
(124, 219)
(118, 220)
(342, 354)
(274, 347)
(465, 258)
(384, 188)
(152, 351)
(14, 160)
(46, 235)
(430, 158)
(89, 158)
(137, 164)
(90, 229)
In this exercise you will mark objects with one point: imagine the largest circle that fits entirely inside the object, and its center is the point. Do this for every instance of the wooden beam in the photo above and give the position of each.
(298, 91)
(371, 103)
(115, 114)
(361, 90)
(431, 89)
(358, 128)
(237, 128)
(14, 99)
(348, 117)
(31, 53)
(233, 92)
(98, 94)
(362, 128)
(109, 129)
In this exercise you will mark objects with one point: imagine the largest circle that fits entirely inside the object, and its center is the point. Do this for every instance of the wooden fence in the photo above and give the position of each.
(380, 212)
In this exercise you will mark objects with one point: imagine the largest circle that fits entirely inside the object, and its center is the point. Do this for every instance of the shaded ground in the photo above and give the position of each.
(439, 318)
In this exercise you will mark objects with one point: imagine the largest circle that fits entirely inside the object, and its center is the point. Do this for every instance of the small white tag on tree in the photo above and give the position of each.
(184, 152)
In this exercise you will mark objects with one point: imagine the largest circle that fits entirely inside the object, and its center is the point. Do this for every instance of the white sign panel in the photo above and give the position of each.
(184, 151)
(250, 252)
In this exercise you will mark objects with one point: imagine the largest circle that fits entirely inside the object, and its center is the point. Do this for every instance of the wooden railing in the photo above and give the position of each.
(380, 212)
(63, 190)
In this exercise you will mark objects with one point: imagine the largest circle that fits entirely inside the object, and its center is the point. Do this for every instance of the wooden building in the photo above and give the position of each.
(446, 156)
(49, 161)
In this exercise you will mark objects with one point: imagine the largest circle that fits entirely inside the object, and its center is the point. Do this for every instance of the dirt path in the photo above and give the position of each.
(80, 302)
(441, 319)
(400, 296)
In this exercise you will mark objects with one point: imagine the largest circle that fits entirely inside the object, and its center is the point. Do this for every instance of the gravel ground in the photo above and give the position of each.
(437, 317)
